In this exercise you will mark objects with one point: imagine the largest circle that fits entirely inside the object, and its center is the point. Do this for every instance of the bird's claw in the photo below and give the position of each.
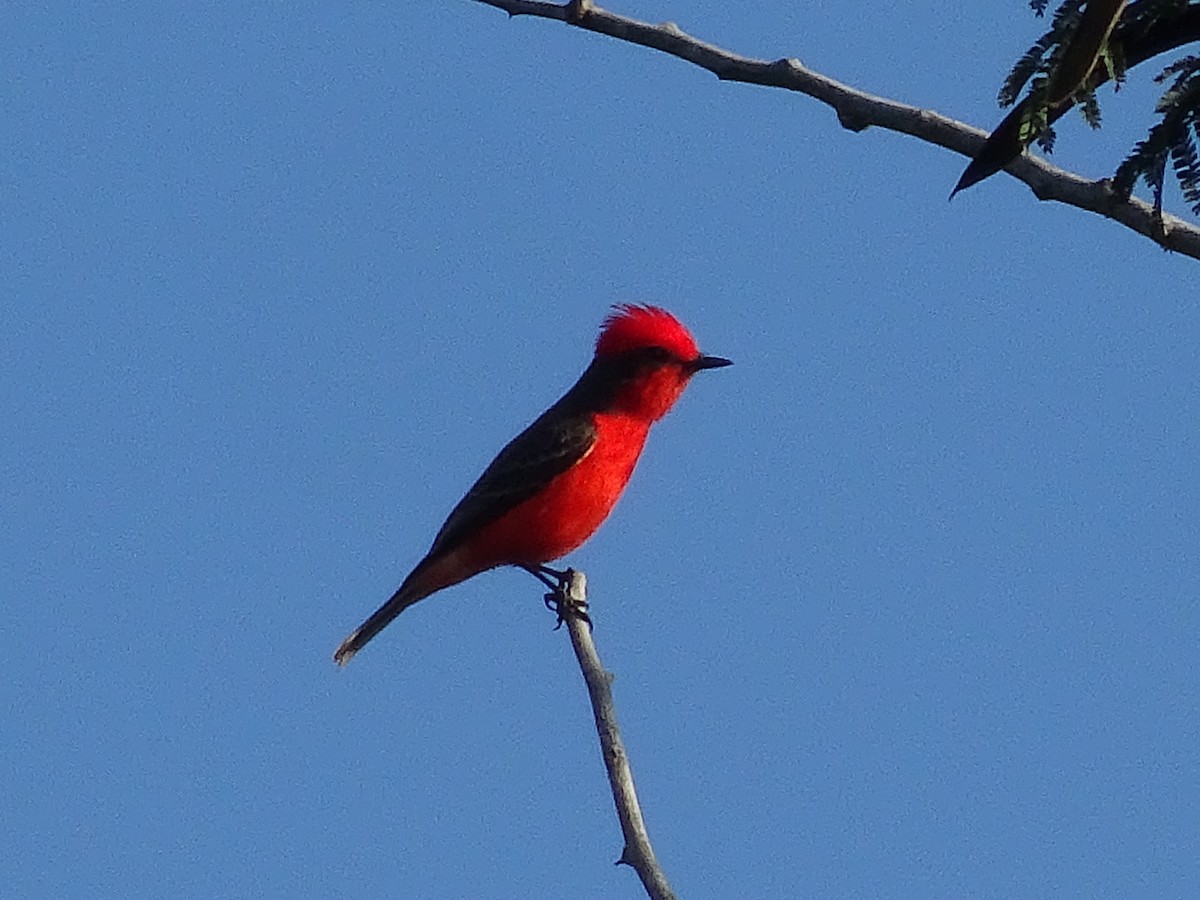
(561, 604)
(559, 601)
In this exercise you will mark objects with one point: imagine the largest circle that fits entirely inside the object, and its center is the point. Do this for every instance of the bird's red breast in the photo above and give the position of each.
(572, 505)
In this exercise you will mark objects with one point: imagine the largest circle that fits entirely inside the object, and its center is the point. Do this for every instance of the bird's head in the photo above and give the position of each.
(651, 356)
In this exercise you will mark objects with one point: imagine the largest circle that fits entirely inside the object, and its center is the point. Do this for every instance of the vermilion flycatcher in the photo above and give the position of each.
(551, 487)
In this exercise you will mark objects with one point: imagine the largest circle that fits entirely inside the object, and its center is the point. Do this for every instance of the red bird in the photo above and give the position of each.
(548, 491)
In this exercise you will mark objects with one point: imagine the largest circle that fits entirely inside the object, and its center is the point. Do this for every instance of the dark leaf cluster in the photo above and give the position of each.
(1040, 59)
(1146, 28)
(1173, 138)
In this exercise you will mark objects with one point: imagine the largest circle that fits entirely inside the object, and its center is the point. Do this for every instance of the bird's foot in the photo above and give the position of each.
(555, 579)
(564, 606)
(559, 601)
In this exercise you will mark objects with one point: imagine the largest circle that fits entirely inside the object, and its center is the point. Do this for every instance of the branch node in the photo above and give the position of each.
(852, 119)
(577, 11)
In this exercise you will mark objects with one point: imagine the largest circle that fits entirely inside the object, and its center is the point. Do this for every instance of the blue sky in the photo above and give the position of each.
(901, 605)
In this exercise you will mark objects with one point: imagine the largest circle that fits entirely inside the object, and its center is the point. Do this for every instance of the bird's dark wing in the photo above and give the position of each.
(560, 438)
(547, 448)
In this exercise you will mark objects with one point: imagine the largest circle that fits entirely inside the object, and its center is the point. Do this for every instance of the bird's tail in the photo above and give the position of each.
(415, 588)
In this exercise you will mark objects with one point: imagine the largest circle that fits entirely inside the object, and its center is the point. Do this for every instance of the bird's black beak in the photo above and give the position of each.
(710, 362)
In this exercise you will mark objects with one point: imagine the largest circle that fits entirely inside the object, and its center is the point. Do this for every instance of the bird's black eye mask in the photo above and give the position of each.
(607, 375)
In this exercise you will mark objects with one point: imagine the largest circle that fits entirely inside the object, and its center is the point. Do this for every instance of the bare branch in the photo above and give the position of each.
(858, 110)
(638, 852)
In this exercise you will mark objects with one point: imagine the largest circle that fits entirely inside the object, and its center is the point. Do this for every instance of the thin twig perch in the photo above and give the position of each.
(857, 110)
(637, 852)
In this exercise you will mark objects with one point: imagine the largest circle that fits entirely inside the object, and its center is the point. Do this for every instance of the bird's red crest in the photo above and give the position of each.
(632, 327)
